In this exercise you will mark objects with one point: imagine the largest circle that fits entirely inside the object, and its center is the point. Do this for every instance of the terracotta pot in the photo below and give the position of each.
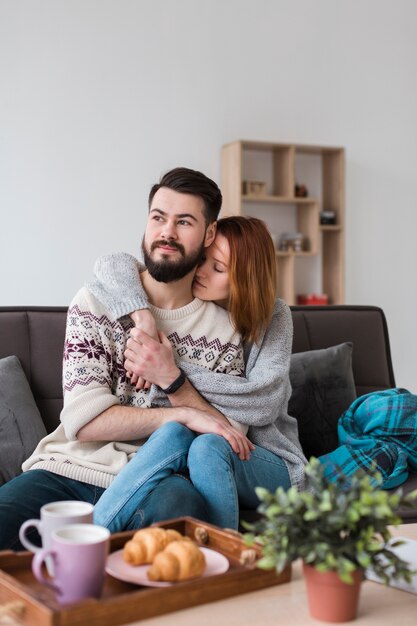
(329, 598)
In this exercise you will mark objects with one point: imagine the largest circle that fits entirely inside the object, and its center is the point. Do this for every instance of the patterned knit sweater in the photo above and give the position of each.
(258, 400)
(94, 379)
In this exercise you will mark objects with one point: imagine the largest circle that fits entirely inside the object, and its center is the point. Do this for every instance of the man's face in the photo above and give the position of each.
(175, 236)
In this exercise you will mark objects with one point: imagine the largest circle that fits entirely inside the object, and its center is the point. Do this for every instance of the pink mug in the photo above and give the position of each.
(79, 554)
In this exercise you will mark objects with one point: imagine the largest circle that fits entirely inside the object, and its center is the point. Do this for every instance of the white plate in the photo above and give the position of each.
(116, 566)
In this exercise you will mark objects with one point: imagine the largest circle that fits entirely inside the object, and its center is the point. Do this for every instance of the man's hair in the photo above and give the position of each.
(195, 183)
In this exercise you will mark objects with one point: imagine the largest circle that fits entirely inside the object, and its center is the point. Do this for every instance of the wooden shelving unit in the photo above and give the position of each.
(279, 167)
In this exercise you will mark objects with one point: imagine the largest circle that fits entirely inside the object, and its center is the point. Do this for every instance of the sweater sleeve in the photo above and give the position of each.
(87, 379)
(262, 395)
(117, 284)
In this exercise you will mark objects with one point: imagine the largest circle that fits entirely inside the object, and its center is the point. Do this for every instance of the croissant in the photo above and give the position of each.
(180, 560)
(146, 543)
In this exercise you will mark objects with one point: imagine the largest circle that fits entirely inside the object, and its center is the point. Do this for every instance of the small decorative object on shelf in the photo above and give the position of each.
(318, 299)
(327, 218)
(300, 191)
(291, 241)
(254, 188)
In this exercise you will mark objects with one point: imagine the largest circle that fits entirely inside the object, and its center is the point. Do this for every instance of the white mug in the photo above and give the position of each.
(53, 516)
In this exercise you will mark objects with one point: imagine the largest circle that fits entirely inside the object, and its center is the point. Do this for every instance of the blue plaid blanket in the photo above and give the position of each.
(378, 432)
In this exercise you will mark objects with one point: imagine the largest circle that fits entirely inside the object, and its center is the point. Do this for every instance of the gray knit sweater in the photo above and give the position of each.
(259, 399)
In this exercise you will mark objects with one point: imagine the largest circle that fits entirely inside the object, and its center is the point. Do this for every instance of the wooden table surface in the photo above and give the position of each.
(286, 605)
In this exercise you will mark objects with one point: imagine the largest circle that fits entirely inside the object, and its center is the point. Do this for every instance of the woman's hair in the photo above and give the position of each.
(252, 274)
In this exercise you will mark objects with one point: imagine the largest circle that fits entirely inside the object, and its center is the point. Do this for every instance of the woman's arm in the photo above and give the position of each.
(252, 400)
(118, 287)
(117, 284)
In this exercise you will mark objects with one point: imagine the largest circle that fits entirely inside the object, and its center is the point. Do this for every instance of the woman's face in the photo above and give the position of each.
(211, 280)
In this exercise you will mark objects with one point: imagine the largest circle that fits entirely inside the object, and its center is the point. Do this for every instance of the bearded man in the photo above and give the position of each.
(105, 418)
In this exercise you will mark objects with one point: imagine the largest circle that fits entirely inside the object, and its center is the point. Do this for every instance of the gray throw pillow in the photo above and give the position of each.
(21, 425)
(322, 389)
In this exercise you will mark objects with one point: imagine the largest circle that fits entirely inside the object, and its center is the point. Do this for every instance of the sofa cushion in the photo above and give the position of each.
(21, 425)
(322, 389)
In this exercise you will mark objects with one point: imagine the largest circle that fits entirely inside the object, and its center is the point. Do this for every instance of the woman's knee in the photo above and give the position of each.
(208, 448)
(174, 431)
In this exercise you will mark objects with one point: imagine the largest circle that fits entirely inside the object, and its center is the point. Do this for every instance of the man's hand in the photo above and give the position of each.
(151, 359)
(144, 320)
(202, 422)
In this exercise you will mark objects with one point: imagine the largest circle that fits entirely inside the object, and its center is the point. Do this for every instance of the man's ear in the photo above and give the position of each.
(210, 234)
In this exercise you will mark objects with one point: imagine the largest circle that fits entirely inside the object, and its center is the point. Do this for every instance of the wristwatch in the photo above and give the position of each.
(174, 386)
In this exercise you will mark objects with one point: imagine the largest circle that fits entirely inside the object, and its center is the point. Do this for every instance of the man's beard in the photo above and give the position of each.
(166, 270)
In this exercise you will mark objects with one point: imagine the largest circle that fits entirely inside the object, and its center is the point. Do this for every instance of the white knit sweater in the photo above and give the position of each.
(94, 379)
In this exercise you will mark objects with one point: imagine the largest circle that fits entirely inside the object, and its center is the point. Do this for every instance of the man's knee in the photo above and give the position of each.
(174, 496)
(16, 507)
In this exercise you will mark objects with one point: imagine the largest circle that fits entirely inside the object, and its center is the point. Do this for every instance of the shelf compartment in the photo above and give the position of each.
(333, 268)
(278, 199)
(330, 228)
(322, 170)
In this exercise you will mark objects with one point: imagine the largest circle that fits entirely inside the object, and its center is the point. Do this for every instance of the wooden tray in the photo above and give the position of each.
(123, 602)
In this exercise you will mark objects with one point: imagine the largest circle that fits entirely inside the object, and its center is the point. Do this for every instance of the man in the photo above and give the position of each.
(105, 418)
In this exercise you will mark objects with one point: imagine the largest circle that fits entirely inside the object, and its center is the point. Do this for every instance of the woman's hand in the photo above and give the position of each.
(144, 320)
(151, 359)
(202, 422)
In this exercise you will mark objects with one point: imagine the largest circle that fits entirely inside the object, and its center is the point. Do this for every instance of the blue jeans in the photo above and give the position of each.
(22, 498)
(223, 481)
(227, 483)
(163, 455)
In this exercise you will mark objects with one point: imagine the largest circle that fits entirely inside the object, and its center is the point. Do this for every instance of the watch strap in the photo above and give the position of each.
(176, 384)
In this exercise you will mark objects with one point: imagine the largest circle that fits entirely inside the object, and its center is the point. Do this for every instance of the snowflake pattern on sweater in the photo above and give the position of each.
(94, 350)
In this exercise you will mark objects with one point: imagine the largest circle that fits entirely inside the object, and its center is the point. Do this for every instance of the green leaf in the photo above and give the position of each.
(267, 562)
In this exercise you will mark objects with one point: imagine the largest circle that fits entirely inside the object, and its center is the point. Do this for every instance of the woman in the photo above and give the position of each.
(239, 273)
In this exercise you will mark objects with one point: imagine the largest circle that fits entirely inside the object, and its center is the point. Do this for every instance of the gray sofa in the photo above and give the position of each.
(36, 336)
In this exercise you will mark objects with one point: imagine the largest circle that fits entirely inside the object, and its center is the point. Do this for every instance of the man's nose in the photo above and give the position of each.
(169, 230)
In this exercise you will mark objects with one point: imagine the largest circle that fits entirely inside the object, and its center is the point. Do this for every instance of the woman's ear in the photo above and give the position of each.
(210, 234)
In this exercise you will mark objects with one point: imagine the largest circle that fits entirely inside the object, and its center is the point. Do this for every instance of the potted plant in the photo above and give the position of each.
(338, 529)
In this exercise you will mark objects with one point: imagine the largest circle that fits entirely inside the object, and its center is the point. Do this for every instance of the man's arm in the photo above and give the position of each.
(95, 381)
(121, 423)
(258, 398)
(125, 423)
(154, 360)
(93, 371)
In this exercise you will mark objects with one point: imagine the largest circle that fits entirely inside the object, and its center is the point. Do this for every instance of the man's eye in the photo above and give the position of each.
(184, 223)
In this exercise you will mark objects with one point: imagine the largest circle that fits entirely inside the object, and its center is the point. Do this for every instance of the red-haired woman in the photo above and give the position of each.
(239, 274)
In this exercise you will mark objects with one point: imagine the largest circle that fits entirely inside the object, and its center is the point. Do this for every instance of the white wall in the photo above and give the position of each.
(99, 97)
